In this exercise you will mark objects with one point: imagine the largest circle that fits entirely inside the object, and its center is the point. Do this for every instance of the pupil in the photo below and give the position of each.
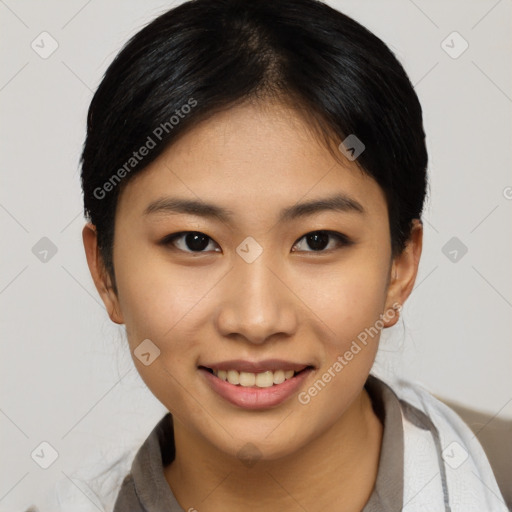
(318, 241)
(196, 241)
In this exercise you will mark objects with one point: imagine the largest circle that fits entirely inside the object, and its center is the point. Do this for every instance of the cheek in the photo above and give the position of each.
(350, 303)
(162, 304)
(345, 299)
(154, 295)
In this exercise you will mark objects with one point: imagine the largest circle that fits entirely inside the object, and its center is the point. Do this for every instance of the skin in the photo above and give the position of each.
(299, 305)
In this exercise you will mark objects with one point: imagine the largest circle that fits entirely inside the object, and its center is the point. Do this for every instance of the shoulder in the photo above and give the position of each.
(421, 409)
(415, 394)
(94, 486)
(442, 455)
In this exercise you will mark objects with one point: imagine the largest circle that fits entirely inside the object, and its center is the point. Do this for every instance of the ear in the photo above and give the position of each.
(403, 272)
(99, 274)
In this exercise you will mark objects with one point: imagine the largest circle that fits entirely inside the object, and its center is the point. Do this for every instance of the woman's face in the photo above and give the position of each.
(253, 293)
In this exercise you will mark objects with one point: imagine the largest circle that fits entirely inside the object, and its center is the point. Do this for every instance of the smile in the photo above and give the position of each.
(258, 389)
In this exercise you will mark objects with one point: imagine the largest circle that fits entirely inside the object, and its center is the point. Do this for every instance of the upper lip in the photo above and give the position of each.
(256, 366)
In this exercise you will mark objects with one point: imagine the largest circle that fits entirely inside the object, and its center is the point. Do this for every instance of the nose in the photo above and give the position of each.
(257, 302)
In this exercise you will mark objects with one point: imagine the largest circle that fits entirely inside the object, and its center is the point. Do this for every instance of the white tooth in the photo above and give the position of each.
(279, 377)
(265, 379)
(233, 377)
(247, 379)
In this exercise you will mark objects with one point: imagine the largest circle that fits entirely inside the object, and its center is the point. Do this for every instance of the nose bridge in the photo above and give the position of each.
(257, 304)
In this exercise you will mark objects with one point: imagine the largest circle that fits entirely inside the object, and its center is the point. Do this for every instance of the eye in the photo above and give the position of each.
(319, 240)
(197, 242)
(188, 241)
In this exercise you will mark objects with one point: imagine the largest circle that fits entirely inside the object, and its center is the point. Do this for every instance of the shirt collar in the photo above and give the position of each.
(387, 495)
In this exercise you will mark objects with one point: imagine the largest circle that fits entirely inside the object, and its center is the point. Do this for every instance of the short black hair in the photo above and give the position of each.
(205, 56)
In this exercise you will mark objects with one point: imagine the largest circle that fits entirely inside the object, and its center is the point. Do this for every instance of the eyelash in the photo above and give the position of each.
(342, 239)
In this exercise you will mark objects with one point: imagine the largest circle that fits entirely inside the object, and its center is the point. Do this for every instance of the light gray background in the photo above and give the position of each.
(67, 376)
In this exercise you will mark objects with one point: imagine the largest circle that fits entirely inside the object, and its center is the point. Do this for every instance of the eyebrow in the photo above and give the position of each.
(173, 205)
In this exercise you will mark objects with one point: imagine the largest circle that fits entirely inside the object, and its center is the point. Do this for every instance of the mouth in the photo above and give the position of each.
(256, 386)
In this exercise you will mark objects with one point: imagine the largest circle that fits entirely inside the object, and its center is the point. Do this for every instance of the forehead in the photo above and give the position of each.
(251, 159)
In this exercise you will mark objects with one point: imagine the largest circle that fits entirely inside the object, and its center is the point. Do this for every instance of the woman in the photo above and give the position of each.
(254, 175)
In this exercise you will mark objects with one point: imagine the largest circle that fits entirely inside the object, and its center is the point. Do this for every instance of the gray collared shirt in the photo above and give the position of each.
(145, 488)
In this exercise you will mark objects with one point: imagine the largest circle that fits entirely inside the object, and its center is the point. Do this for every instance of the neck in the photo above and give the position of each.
(340, 465)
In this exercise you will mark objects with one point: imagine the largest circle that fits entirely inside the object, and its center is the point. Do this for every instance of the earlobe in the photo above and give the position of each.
(114, 313)
(392, 314)
(99, 274)
(404, 271)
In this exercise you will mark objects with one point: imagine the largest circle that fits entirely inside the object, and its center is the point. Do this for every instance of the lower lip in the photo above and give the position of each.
(254, 397)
